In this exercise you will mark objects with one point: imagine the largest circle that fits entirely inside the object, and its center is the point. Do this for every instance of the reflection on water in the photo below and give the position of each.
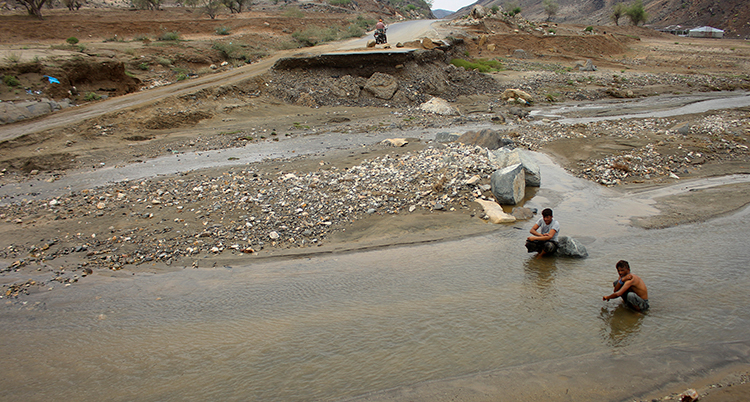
(337, 326)
(540, 273)
(620, 324)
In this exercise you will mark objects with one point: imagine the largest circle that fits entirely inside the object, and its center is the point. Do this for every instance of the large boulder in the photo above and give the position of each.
(509, 184)
(504, 157)
(587, 66)
(478, 12)
(570, 247)
(439, 106)
(516, 94)
(495, 212)
(487, 138)
(381, 85)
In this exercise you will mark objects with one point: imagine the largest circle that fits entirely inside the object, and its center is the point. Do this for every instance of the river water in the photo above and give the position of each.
(336, 327)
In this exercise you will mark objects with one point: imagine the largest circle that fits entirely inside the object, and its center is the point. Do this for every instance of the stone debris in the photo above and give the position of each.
(243, 212)
(494, 212)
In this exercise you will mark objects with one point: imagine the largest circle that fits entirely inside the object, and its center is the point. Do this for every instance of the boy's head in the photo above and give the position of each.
(547, 215)
(623, 268)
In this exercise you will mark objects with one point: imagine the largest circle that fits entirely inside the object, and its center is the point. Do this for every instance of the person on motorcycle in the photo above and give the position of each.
(380, 32)
(380, 25)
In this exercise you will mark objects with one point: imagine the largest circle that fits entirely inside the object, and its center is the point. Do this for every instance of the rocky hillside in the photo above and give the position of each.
(733, 16)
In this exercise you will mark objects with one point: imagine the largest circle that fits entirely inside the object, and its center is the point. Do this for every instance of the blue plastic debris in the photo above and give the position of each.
(52, 80)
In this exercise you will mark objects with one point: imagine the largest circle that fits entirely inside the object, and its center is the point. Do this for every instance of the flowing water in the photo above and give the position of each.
(334, 327)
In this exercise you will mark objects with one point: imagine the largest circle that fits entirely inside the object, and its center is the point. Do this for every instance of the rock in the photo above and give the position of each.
(371, 43)
(439, 106)
(446, 137)
(517, 111)
(395, 142)
(588, 66)
(428, 44)
(399, 44)
(505, 157)
(381, 85)
(482, 40)
(346, 87)
(516, 94)
(509, 184)
(478, 12)
(520, 54)
(494, 212)
(473, 180)
(491, 47)
(305, 99)
(486, 138)
(570, 247)
(682, 128)
(522, 213)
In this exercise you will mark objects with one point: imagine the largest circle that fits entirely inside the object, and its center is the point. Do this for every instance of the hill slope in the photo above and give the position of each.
(733, 16)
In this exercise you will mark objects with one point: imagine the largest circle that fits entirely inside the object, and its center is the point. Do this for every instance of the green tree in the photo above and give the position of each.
(212, 7)
(550, 7)
(617, 12)
(637, 13)
(34, 7)
(236, 6)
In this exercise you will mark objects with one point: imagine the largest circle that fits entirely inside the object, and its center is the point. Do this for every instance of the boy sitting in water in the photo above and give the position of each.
(544, 235)
(630, 287)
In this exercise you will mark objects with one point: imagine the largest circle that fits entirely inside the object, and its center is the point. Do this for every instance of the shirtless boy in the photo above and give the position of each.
(630, 287)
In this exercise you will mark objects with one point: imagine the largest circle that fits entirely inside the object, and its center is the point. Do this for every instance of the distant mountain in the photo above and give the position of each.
(440, 14)
(733, 16)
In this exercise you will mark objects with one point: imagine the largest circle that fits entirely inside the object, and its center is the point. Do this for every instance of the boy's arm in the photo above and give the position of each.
(545, 236)
(619, 292)
(533, 230)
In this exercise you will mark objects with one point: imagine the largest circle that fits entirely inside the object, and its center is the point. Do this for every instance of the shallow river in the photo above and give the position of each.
(338, 326)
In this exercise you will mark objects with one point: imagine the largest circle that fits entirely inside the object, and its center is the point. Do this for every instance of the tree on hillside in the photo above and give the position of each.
(34, 7)
(617, 12)
(550, 7)
(212, 7)
(73, 4)
(146, 4)
(637, 13)
(236, 6)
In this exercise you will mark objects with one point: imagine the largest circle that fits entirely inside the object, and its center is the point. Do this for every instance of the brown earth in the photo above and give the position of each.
(233, 111)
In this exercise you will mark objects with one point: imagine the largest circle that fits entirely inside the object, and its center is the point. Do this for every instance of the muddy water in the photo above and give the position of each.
(337, 326)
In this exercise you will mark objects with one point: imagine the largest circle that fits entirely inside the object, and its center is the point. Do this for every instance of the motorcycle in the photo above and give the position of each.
(380, 37)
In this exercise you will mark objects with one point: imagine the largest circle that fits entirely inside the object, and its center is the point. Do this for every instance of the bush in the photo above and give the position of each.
(481, 65)
(72, 40)
(636, 13)
(311, 36)
(143, 66)
(229, 50)
(223, 31)
(167, 36)
(339, 2)
(12, 58)
(293, 13)
(164, 61)
(589, 28)
(495, 9)
(11, 81)
(181, 77)
(91, 96)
